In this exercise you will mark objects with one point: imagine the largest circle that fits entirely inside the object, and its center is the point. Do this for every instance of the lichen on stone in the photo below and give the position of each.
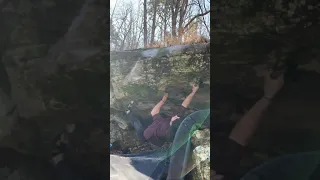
(201, 154)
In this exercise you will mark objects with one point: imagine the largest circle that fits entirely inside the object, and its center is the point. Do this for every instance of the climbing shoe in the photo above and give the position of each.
(201, 85)
(61, 141)
(130, 105)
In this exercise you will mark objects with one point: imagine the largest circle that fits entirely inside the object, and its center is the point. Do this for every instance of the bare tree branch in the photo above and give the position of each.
(204, 22)
(195, 17)
(204, 5)
(169, 14)
(115, 5)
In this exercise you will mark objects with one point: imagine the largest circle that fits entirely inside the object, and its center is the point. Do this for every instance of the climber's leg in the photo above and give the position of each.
(137, 125)
(63, 170)
(135, 122)
(61, 142)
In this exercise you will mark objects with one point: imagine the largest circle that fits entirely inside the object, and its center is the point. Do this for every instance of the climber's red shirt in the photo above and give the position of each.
(156, 133)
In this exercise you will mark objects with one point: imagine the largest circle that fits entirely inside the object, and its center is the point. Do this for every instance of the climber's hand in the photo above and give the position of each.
(272, 86)
(195, 88)
(215, 176)
(173, 119)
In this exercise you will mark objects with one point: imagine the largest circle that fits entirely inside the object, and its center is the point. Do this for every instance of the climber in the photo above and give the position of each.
(159, 130)
(63, 170)
(228, 155)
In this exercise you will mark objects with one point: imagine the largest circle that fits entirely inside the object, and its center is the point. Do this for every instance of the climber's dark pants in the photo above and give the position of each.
(137, 125)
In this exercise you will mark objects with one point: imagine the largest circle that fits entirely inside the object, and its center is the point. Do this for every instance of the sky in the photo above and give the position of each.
(113, 2)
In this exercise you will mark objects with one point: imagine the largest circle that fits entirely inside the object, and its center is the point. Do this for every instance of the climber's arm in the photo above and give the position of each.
(247, 125)
(232, 148)
(157, 107)
(244, 129)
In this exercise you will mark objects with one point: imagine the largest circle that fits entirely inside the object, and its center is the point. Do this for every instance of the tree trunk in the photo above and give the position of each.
(153, 28)
(174, 11)
(145, 32)
(183, 10)
(165, 21)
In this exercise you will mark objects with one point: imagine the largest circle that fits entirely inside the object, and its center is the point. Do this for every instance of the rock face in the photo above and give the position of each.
(201, 154)
(56, 73)
(8, 114)
(15, 166)
(31, 56)
(250, 36)
(143, 75)
(53, 71)
(47, 67)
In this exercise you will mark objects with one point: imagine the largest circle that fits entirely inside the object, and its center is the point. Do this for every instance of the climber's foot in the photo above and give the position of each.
(201, 85)
(128, 110)
(57, 153)
(60, 143)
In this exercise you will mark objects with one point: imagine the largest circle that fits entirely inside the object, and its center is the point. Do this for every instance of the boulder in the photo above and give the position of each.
(201, 154)
(143, 76)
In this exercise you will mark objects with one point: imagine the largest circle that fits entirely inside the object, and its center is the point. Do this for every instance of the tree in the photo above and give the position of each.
(145, 31)
(174, 6)
(152, 23)
(154, 19)
(182, 12)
